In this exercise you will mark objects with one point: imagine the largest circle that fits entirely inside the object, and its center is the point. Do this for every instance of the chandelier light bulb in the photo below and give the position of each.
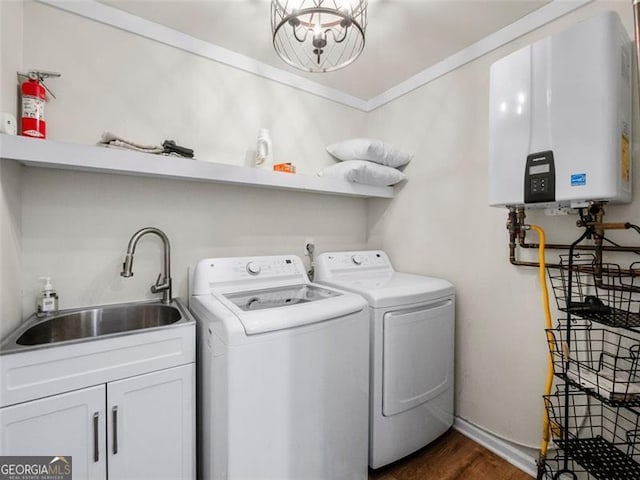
(345, 6)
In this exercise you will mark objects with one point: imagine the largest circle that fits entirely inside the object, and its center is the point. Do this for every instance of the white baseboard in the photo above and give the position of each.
(500, 447)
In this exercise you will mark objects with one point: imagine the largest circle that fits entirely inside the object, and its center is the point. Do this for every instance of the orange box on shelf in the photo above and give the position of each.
(284, 167)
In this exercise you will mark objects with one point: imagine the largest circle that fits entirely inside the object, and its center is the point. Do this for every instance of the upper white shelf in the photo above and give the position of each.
(51, 154)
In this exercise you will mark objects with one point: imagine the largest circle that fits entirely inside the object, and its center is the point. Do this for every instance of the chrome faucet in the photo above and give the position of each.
(163, 283)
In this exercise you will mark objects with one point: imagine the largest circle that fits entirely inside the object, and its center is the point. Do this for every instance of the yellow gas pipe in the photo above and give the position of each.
(547, 313)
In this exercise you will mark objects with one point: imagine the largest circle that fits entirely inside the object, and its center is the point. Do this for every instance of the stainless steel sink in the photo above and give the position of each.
(99, 321)
(85, 324)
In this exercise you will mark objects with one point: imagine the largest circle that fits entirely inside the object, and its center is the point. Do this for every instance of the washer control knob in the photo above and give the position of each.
(253, 268)
(357, 259)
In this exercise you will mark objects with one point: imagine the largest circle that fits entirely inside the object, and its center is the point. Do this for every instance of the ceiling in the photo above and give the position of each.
(403, 37)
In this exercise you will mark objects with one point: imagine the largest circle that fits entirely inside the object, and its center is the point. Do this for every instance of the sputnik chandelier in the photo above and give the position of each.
(318, 35)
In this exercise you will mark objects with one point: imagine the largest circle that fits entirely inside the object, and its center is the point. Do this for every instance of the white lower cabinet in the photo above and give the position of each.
(138, 428)
(151, 421)
(70, 424)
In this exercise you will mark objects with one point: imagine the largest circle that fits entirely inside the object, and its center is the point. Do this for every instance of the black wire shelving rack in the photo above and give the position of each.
(601, 439)
(563, 467)
(603, 362)
(601, 292)
(595, 415)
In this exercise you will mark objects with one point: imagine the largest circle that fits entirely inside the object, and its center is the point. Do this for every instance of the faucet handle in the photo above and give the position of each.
(160, 285)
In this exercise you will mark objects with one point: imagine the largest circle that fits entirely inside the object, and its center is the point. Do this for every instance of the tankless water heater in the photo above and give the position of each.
(560, 118)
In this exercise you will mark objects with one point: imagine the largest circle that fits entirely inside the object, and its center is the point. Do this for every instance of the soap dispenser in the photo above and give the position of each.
(264, 155)
(48, 299)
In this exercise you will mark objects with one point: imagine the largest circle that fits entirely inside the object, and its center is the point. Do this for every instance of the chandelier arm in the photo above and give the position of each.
(302, 56)
(335, 37)
(292, 46)
(295, 33)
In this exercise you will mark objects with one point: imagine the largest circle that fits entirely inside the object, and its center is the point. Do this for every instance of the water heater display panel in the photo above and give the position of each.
(540, 178)
(538, 169)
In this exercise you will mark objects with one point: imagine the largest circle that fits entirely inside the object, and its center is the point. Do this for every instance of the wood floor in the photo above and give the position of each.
(452, 457)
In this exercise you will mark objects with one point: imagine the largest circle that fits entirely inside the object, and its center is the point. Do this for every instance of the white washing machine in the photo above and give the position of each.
(411, 350)
(283, 382)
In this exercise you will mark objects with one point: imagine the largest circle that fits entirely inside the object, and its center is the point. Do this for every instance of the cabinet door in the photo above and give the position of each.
(151, 426)
(70, 425)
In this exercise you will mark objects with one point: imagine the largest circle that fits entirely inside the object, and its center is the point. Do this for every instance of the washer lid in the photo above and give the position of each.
(394, 289)
(283, 307)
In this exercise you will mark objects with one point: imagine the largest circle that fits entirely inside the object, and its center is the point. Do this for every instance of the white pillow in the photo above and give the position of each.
(367, 173)
(369, 149)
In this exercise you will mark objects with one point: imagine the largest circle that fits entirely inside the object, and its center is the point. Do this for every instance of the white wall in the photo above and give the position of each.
(119, 82)
(10, 244)
(75, 226)
(11, 25)
(440, 224)
(10, 173)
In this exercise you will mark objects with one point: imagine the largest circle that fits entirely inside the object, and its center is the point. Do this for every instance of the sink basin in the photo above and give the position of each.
(91, 323)
(99, 321)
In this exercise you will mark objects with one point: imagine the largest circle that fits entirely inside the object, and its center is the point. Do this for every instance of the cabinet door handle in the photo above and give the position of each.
(96, 444)
(114, 412)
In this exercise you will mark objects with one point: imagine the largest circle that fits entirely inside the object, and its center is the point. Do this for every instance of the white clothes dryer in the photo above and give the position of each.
(282, 373)
(411, 350)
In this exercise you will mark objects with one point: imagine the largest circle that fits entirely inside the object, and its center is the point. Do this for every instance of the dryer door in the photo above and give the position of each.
(417, 356)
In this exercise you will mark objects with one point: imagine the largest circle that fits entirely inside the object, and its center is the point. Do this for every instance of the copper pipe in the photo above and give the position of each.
(514, 225)
(562, 246)
(517, 229)
(599, 235)
(600, 227)
(521, 219)
(523, 263)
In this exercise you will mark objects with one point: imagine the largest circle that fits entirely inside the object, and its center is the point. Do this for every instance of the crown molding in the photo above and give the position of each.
(536, 19)
(128, 22)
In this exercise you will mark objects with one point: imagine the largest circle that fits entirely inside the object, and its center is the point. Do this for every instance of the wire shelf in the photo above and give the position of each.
(562, 467)
(602, 362)
(603, 440)
(601, 292)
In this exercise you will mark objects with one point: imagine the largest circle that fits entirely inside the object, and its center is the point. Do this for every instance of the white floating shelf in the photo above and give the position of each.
(50, 154)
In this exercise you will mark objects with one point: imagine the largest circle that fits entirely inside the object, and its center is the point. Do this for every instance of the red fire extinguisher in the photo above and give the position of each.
(34, 96)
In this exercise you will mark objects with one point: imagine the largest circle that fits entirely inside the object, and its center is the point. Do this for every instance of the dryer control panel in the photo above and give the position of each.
(215, 272)
(336, 263)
